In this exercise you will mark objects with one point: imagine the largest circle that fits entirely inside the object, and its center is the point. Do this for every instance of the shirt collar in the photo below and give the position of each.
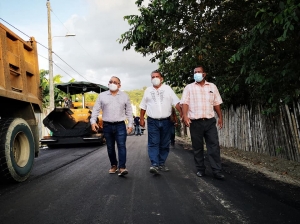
(109, 93)
(205, 83)
(159, 87)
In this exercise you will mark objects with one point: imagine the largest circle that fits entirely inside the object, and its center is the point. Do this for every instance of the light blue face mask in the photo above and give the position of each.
(198, 77)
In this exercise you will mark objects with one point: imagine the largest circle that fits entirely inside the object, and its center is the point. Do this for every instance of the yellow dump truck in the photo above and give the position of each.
(20, 100)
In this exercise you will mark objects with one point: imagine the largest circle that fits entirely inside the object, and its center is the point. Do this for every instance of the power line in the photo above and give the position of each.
(47, 49)
(68, 32)
(57, 66)
(69, 66)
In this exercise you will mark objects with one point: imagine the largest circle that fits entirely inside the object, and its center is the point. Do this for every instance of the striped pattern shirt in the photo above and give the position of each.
(201, 99)
(114, 108)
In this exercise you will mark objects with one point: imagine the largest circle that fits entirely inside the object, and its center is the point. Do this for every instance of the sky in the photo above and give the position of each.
(94, 54)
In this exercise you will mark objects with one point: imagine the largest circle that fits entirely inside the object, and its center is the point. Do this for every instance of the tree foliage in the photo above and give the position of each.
(135, 97)
(250, 49)
(44, 83)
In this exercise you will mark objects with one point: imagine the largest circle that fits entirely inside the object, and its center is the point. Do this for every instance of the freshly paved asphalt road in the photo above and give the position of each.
(72, 185)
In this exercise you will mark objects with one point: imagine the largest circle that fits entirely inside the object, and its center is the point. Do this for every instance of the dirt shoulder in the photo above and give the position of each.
(275, 168)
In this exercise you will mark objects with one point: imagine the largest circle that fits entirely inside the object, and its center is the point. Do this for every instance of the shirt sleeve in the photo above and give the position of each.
(175, 98)
(185, 98)
(217, 99)
(128, 112)
(96, 110)
(143, 102)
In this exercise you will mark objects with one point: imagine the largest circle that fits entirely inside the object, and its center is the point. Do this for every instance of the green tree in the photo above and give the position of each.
(270, 54)
(44, 83)
(236, 41)
(135, 97)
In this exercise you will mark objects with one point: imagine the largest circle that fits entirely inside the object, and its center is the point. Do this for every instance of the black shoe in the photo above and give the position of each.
(200, 173)
(219, 176)
(154, 170)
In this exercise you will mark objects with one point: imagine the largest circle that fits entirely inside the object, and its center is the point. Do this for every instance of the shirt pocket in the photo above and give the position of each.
(211, 97)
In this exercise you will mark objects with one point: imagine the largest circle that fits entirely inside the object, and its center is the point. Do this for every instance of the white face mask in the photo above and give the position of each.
(112, 87)
(198, 77)
(155, 81)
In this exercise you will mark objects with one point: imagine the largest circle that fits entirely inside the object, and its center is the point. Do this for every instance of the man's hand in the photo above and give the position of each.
(142, 122)
(95, 127)
(186, 121)
(220, 123)
(129, 130)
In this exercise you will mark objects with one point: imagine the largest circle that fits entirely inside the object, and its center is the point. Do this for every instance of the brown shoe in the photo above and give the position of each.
(113, 169)
(122, 172)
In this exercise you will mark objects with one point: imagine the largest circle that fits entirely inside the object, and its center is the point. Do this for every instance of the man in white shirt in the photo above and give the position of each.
(157, 102)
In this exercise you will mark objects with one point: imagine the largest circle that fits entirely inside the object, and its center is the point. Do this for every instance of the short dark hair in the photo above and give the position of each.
(116, 78)
(200, 66)
(156, 71)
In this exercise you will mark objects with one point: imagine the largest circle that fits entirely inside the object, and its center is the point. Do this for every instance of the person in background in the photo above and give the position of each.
(116, 108)
(137, 126)
(133, 123)
(157, 102)
(200, 100)
(175, 124)
(67, 102)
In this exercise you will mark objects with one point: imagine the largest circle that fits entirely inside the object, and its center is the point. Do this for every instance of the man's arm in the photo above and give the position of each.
(178, 108)
(142, 118)
(95, 114)
(217, 108)
(128, 113)
(185, 119)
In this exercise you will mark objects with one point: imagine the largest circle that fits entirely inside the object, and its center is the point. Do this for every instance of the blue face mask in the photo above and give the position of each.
(198, 77)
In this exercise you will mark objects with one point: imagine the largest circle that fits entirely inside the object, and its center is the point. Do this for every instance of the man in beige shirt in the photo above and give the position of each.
(200, 100)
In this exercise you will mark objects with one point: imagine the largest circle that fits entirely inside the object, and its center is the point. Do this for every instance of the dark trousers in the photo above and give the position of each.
(205, 129)
(173, 135)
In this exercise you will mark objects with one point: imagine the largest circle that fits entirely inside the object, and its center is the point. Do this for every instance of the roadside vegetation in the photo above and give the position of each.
(250, 48)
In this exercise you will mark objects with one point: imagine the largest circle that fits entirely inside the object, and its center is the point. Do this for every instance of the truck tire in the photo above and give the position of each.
(17, 149)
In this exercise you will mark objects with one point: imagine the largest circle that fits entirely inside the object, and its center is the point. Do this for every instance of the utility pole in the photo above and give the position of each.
(51, 88)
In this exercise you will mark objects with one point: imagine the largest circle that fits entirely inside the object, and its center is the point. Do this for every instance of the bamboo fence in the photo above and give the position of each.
(249, 129)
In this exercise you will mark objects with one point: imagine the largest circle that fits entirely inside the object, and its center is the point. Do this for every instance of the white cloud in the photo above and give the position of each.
(95, 53)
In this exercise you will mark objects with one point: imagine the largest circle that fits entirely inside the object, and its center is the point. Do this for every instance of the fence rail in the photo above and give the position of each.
(249, 130)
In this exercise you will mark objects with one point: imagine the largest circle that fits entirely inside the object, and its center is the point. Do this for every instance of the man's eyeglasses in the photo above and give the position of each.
(114, 82)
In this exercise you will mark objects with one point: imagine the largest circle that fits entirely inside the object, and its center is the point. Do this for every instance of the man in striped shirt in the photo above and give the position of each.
(200, 100)
(116, 108)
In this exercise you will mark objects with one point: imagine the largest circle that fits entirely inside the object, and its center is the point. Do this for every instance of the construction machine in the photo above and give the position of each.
(71, 126)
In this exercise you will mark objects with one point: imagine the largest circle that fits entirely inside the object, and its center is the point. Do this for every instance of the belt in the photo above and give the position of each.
(160, 119)
(114, 122)
(202, 119)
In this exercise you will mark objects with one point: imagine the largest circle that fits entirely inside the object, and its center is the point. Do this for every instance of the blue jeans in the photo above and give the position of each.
(116, 133)
(159, 133)
(137, 130)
